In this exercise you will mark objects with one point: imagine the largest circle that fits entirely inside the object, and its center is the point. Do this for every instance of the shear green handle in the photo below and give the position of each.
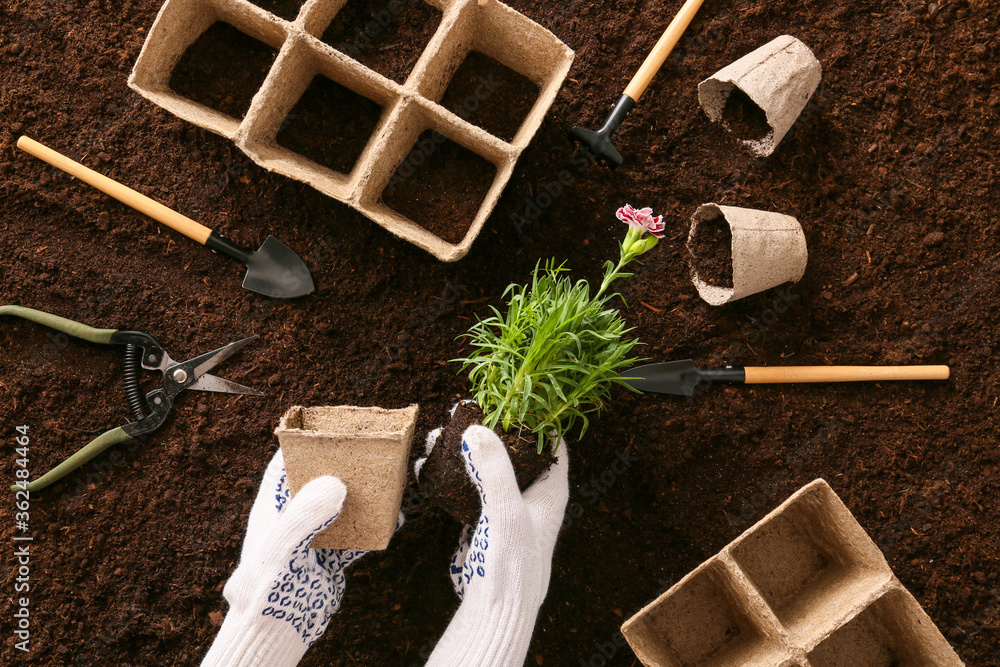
(82, 457)
(102, 442)
(75, 329)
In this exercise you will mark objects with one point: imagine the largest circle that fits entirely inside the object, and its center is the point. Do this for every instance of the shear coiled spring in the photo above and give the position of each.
(133, 392)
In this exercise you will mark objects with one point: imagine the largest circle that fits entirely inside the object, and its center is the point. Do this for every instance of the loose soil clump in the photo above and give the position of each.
(386, 37)
(330, 124)
(444, 480)
(491, 95)
(712, 250)
(223, 69)
(440, 186)
(744, 117)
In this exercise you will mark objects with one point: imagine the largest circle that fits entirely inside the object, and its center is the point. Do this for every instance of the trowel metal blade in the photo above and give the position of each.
(672, 377)
(277, 272)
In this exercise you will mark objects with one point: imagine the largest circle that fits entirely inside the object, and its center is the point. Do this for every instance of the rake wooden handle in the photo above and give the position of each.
(125, 195)
(654, 61)
(779, 374)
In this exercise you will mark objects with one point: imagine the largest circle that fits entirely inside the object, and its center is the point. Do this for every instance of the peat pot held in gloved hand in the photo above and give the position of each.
(283, 593)
(502, 568)
(368, 450)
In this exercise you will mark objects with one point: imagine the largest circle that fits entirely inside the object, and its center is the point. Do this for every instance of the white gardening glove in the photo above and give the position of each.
(283, 594)
(502, 570)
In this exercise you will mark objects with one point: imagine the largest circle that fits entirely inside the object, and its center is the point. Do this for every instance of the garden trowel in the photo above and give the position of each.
(685, 379)
(599, 142)
(274, 271)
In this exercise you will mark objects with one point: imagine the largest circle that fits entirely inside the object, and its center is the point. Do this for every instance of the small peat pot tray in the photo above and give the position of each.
(368, 449)
(420, 139)
(804, 587)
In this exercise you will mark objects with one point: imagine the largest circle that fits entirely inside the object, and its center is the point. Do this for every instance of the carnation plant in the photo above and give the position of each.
(552, 358)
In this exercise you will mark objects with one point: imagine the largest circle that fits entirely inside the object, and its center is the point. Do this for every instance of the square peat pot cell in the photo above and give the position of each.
(330, 125)
(440, 185)
(811, 562)
(368, 450)
(385, 36)
(316, 118)
(487, 93)
(892, 632)
(223, 70)
(287, 10)
(703, 620)
(205, 60)
(496, 69)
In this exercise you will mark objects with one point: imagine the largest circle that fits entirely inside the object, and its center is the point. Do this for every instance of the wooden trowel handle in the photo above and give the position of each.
(778, 374)
(128, 196)
(654, 61)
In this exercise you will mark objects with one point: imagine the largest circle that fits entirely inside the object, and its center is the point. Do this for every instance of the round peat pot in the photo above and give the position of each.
(759, 97)
(736, 252)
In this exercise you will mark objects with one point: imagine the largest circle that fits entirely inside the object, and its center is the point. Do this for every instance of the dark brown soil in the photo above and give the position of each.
(330, 124)
(711, 250)
(223, 69)
(286, 9)
(129, 555)
(491, 95)
(387, 37)
(444, 480)
(744, 118)
(440, 186)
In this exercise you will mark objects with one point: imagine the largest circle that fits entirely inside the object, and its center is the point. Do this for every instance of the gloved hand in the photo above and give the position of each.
(283, 594)
(501, 570)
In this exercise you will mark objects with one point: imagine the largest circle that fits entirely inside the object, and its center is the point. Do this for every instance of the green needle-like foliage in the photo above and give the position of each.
(552, 358)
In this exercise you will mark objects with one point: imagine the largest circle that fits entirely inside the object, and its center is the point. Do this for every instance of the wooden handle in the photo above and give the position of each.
(128, 196)
(777, 374)
(654, 61)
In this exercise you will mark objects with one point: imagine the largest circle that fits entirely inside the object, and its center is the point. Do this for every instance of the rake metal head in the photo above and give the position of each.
(599, 144)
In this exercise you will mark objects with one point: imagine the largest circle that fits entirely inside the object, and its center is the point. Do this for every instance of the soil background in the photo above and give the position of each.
(891, 169)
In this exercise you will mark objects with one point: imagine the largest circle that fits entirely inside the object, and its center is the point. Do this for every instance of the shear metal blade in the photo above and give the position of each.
(206, 362)
(209, 382)
(196, 376)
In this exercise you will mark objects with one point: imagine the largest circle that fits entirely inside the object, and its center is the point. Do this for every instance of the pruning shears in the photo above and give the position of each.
(150, 411)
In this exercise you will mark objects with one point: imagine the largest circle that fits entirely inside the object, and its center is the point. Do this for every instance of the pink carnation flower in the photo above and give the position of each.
(643, 219)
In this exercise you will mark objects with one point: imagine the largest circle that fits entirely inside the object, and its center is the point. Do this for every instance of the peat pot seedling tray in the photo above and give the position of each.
(804, 587)
(408, 155)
